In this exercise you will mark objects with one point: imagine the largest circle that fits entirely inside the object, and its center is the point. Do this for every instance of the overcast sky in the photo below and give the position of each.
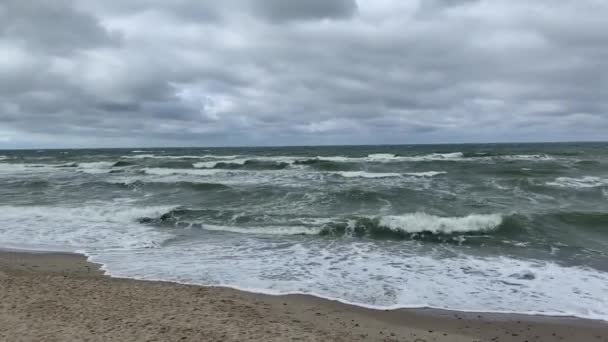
(277, 72)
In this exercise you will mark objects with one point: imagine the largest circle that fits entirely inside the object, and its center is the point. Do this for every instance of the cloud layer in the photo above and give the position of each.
(273, 72)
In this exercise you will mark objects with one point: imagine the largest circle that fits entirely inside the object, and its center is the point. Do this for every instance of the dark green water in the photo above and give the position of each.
(510, 227)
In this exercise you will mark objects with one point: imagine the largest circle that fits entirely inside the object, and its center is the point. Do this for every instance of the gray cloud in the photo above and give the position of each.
(111, 73)
(279, 10)
(52, 27)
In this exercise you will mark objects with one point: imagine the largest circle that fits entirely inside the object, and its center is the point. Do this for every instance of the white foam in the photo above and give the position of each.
(338, 159)
(454, 155)
(96, 167)
(158, 171)
(371, 158)
(363, 174)
(26, 169)
(381, 156)
(388, 158)
(212, 164)
(365, 274)
(580, 183)
(154, 156)
(426, 174)
(242, 161)
(422, 222)
(99, 225)
(530, 157)
(4, 157)
(139, 156)
(266, 230)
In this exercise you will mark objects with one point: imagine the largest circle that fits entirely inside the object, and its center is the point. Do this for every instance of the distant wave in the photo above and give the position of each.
(100, 167)
(363, 174)
(154, 156)
(273, 163)
(579, 183)
(426, 174)
(137, 183)
(210, 161)
(531, 157)
(169, 172)
(96, 165)
(8, 168)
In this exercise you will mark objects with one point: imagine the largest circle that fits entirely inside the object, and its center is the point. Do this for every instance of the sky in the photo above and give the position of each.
(119, 73)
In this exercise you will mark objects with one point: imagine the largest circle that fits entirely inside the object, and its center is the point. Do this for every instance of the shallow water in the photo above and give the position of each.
(510, 227)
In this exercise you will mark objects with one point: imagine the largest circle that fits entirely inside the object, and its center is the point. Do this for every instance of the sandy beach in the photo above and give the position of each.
(62, 297)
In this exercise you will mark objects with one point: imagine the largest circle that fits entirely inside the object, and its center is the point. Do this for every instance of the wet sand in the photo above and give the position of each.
(62, 297)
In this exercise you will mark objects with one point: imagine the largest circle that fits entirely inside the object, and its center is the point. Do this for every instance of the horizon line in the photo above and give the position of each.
(320, 145)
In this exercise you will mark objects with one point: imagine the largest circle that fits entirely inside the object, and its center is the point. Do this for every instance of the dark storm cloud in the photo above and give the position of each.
(280, 10)
(261, 72)
(51, 26)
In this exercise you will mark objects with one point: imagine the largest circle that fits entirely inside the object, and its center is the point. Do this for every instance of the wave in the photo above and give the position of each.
(8, 168)
(91, 225)
(246, 163)
(193, 218)
(425, 174)
(96, 165)
(122, 163)
(323, 162)
(363, 174)
(171, 172)
(381, 156)
(389, 157)
(154, 156)
(264, 230)
(414, 226)
(579, 183)
(529, 157)
(323, 165)
(202, 186)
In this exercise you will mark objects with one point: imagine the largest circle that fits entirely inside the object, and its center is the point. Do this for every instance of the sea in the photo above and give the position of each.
(518, 228)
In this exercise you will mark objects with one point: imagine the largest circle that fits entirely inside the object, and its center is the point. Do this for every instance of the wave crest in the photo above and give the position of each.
(579, 183)
(414, 225)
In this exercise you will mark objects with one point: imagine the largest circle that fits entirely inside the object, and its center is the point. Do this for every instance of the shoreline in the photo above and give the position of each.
(36, 283)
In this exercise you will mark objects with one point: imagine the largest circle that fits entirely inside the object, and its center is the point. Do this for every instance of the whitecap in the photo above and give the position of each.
(169, 172)
(363, 174)
(266, 230)
(426, 174)
(422, 222)
(579, 183)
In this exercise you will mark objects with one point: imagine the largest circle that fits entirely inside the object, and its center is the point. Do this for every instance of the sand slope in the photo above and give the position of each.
(61, 297)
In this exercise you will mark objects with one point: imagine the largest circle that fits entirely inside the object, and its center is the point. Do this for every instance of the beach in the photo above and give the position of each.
(61, 297)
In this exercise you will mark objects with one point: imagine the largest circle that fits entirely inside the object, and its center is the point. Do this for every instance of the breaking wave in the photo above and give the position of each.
(415, 225)
(579, 183)
(363, 174)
